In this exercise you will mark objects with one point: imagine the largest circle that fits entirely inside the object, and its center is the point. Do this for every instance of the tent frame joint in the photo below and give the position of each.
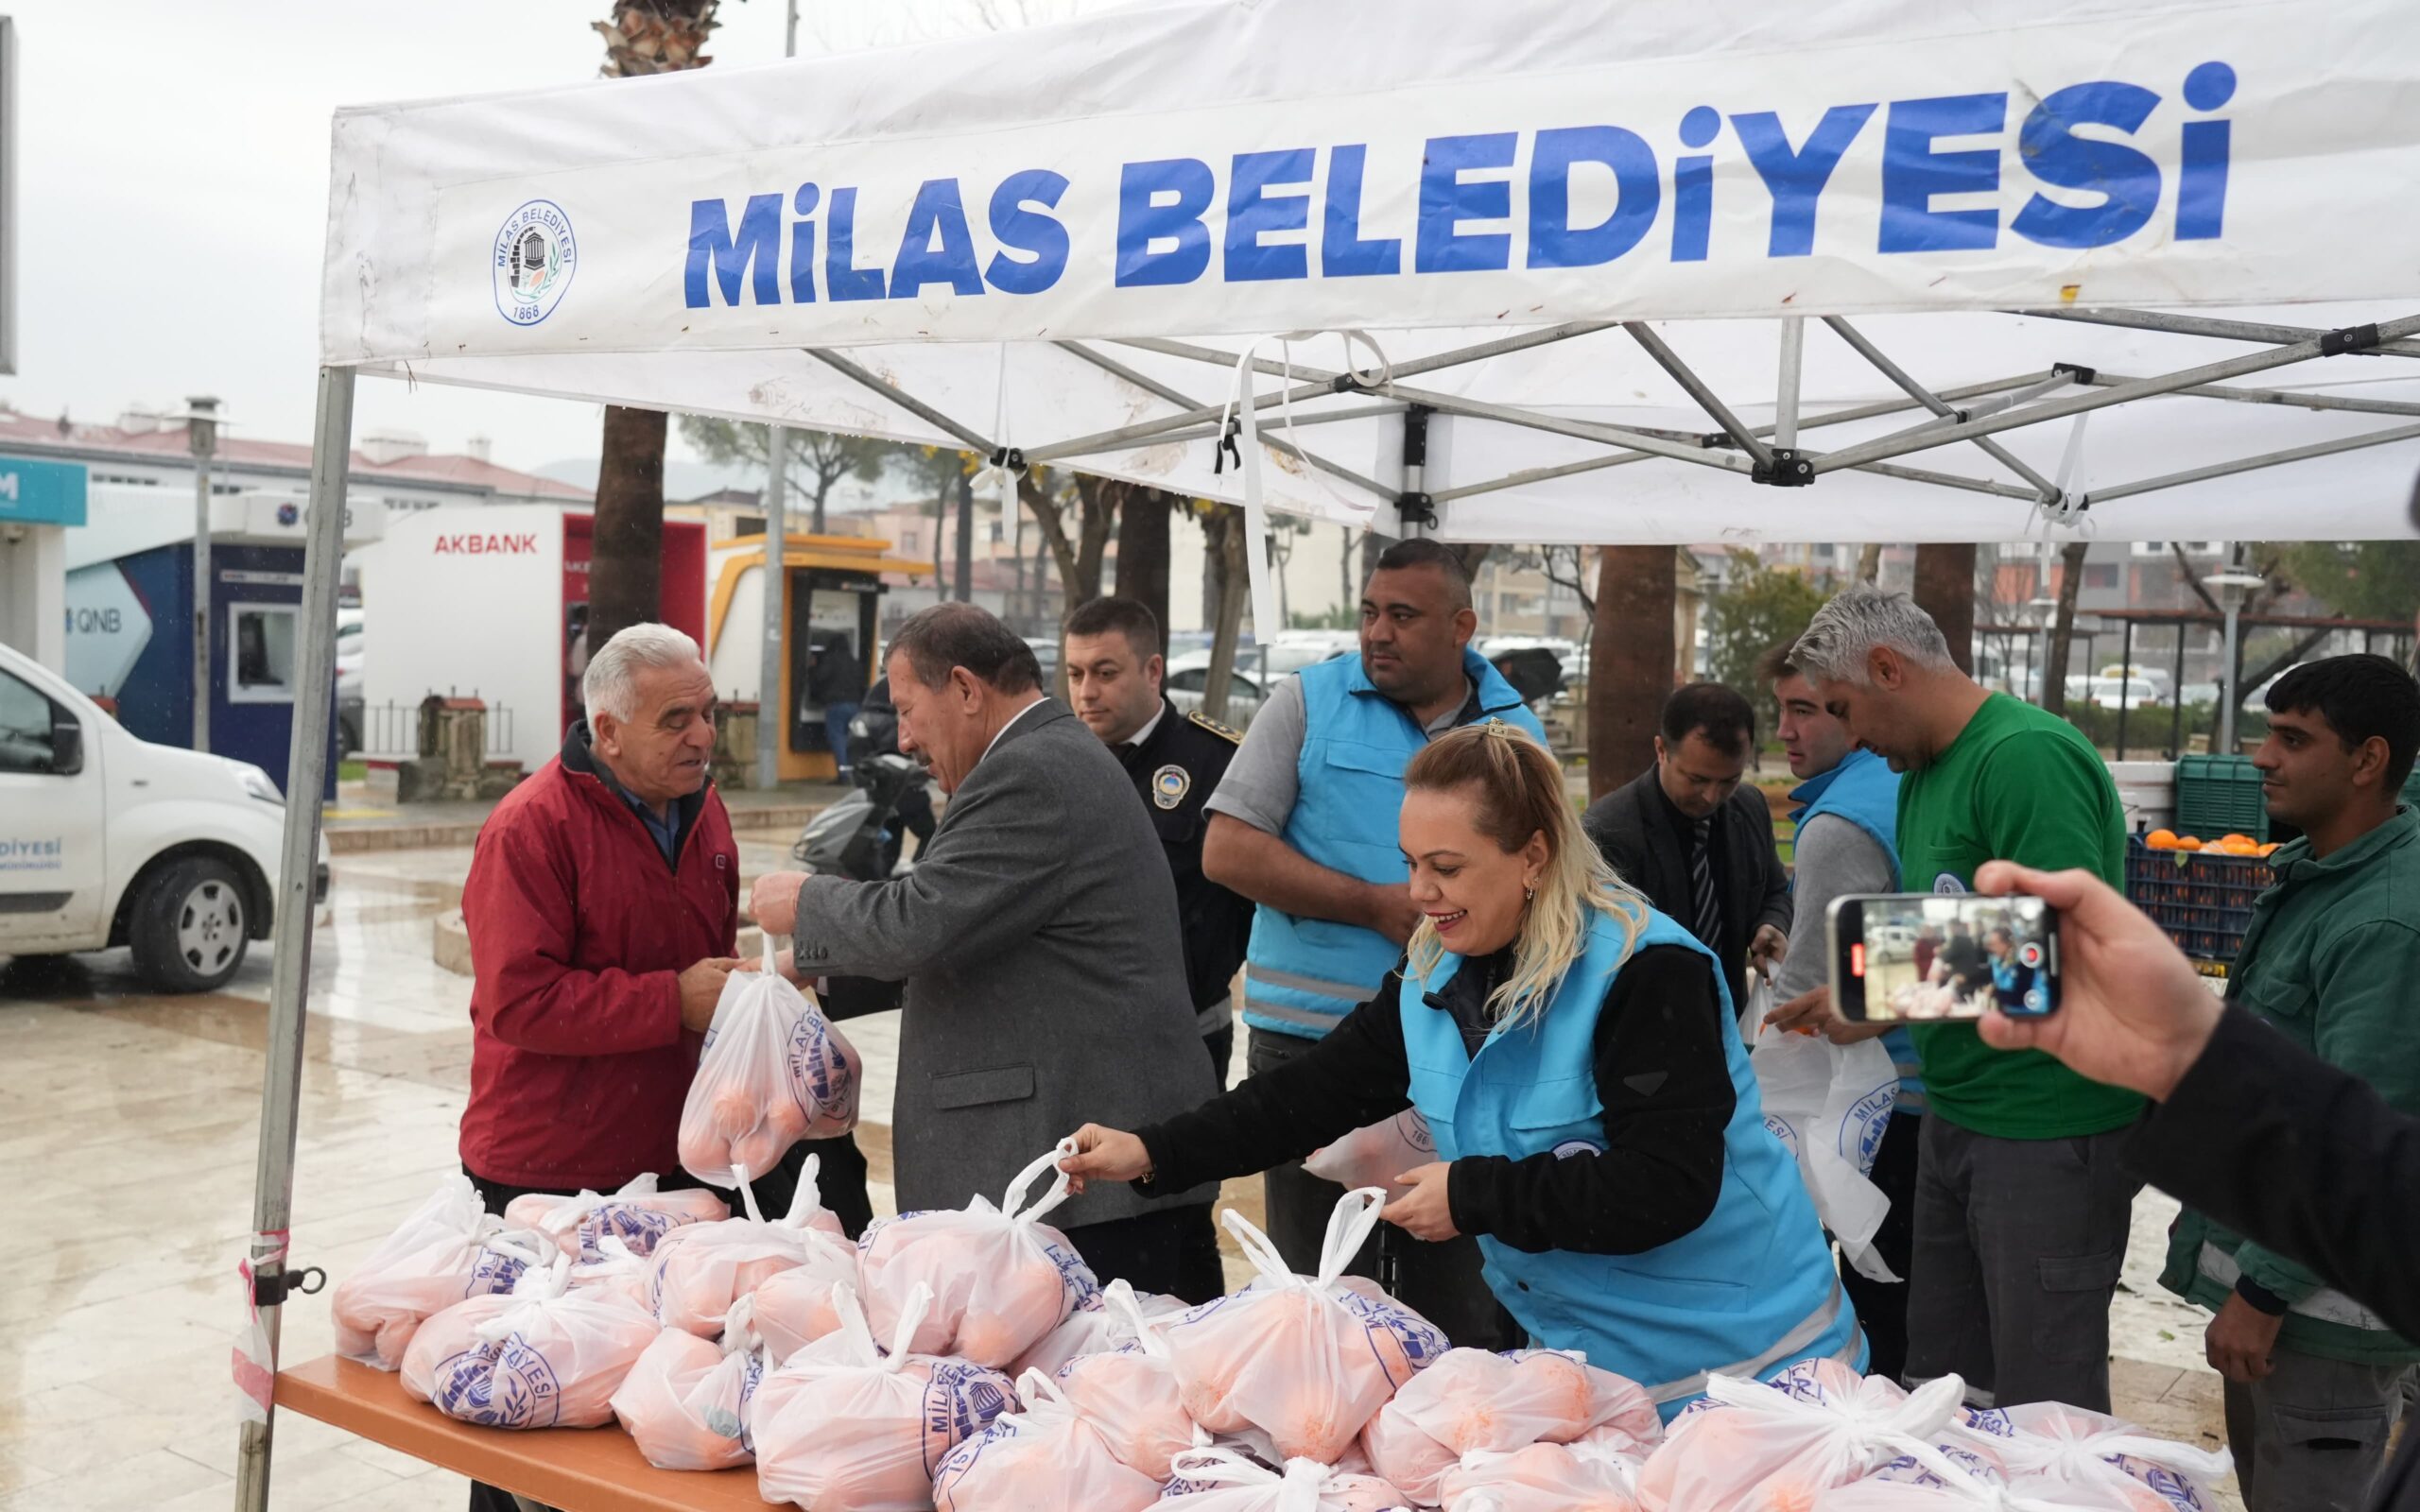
(271, 1288)
(2348, 338)
(1787, 467)
(2075, 372)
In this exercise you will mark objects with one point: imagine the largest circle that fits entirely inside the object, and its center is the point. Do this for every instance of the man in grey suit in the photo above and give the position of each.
(1035, 948)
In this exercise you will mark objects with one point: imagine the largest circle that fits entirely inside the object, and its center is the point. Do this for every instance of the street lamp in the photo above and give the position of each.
(2233, 585)
(202, 421)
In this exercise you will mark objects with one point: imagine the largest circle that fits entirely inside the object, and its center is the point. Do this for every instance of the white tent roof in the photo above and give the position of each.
(1724, 171)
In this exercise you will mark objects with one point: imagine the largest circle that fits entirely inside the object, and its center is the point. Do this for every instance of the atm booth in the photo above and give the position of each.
(129, 596)
(835, 587)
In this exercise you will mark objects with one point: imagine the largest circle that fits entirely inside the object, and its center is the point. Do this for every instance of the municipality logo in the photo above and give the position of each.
(533, 261)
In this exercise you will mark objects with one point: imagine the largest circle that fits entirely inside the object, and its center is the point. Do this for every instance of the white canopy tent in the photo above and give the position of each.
(1554, 272)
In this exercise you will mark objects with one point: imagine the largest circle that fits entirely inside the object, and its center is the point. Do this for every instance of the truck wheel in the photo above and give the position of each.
(188, 926)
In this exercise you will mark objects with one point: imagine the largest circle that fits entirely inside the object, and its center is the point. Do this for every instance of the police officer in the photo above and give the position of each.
(1114, 676)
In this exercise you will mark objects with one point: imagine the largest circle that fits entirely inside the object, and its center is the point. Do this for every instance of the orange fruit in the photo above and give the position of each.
(2160, 839)
(2188, 843)
(2269, 849)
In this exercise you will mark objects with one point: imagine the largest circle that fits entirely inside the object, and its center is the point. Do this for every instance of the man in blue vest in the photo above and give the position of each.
(1303, 825)
(1846, 807)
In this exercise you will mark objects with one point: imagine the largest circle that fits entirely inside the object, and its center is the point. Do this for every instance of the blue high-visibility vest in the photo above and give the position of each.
(1301, 975)
(1748, 1292)
(1864, 790)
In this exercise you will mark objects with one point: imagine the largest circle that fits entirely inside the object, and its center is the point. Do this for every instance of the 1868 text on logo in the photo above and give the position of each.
(534, 261)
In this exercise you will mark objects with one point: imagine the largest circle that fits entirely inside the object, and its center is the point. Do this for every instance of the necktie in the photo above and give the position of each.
(1708, 925)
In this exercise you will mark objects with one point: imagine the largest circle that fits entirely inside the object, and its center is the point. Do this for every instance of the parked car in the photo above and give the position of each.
(1187, 684)
(2121, 693)
(350, 700)
(111, 841)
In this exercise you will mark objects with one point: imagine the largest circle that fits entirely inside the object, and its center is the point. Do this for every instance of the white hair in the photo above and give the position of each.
(611, 683)
(1838, 642)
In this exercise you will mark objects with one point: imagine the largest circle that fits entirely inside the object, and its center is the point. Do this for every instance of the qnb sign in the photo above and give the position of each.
(492, 544)
(2091, 164)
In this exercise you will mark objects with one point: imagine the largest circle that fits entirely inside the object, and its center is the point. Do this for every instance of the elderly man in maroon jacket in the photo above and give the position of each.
(602, 908)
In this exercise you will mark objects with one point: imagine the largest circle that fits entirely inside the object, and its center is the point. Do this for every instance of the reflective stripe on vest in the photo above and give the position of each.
(1751, 1288)
(2325, 1305)
(1791, 1348)
(1303, 974)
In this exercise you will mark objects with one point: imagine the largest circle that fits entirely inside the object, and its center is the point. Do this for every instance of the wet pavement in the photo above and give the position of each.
(129, 1124)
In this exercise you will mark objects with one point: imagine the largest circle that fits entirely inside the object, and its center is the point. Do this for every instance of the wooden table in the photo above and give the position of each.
(577, 1469)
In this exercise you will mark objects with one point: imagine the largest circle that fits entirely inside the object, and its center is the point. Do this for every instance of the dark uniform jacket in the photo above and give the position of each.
(1176, 768)
(1635, 826)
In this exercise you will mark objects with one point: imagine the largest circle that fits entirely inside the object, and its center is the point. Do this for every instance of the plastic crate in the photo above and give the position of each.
(2219, 795)
(2202, 897)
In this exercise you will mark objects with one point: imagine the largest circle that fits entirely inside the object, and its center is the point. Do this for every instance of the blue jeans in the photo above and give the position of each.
(835, 729)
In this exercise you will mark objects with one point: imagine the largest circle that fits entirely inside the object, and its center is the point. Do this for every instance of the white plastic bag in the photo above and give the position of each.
(999, 1277)
(450, 1247)
(843, 1426)
(546, 1356)
(1830, 1104)
(1374, 1156)
(685, 1401)
(638, 1215)
(1308, 1360)
(2073, 1457)
(1044, 1455)
(773, 1071)
(697, 1272)
(1474, 1401)
(1777, 1445)
(1582, 1477)
(793, 1308)
(1097, 1327)
(1222, 1479)
(1131, 1394)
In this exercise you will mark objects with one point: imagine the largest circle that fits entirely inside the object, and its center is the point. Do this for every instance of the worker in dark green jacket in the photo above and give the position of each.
(2332, 961)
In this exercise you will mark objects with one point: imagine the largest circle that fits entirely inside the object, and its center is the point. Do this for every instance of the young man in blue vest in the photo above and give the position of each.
(1303, 825)
(1846, 807)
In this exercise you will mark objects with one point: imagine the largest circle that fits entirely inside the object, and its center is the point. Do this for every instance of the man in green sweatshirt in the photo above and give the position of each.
(2021, 1206)
(2331, 959)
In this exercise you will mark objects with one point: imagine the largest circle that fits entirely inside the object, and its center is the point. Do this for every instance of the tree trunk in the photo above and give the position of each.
(1143, 552)
(823, 482)
(1945, 591)
(1344, 576)
(626, 552)
(1225, 528)
(1631, 658)
(1869, 563)
(941, 528)
(2062, 629)
(964, 591)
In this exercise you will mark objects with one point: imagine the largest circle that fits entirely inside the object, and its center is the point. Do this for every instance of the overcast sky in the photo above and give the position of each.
(172, 165)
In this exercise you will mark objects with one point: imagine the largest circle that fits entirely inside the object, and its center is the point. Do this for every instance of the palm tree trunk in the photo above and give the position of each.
(1869, 562)
(1143, 552)
(1630, 658)
(1224, 525)
(1945, 591)
(2062, 629)
(626, 557)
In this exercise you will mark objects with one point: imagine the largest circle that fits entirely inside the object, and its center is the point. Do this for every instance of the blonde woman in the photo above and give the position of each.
(1575, 1056)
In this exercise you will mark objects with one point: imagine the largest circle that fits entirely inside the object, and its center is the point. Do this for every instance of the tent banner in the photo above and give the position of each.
(2257, 153)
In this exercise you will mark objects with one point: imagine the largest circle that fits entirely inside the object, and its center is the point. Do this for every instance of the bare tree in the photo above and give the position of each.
(2062, 628)
(1078, 514)
(816, 461)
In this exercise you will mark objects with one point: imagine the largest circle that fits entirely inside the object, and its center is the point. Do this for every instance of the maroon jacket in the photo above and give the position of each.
(578, 932)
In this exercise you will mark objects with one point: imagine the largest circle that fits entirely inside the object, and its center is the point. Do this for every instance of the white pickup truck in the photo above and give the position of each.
(108, 840)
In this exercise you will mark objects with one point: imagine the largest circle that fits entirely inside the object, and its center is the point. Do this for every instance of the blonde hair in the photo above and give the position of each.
(1519, 792)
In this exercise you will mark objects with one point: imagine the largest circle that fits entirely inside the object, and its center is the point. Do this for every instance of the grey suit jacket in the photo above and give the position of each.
(1044, 972)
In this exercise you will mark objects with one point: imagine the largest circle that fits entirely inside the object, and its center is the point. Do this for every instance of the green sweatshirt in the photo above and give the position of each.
(2330, 959)
(2017, 784)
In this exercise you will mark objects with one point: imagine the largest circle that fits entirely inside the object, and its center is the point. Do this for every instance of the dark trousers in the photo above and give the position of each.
(1439, 1281)
(774, 1192)
(835, 734)
(1221, 1045)
(2311, 1435)
(1882, 1306)
(1174, 1250)
(2018, 1248)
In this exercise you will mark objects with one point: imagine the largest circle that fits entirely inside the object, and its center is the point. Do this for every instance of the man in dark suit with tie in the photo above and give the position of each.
(1695, 840)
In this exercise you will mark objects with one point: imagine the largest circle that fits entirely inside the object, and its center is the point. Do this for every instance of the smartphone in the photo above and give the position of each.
(1925, 957)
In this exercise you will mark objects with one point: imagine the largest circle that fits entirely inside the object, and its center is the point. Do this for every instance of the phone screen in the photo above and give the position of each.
(1928, 956)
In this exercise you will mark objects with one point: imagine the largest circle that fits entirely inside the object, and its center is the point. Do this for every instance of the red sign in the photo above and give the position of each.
(524, 545)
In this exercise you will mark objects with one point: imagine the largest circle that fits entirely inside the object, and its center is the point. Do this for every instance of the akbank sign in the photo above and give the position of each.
(2125, 155)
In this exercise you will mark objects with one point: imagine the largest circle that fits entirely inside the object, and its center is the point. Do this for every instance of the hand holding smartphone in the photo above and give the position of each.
(1924, 957)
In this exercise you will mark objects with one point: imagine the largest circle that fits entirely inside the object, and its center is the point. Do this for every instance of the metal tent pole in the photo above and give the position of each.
(2204, 325)
(2253, 464)
(1916, 391)
(306, 772)
(773, 702)
(1793, 352)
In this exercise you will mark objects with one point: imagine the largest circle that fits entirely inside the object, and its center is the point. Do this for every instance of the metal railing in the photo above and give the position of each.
(390, 732)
